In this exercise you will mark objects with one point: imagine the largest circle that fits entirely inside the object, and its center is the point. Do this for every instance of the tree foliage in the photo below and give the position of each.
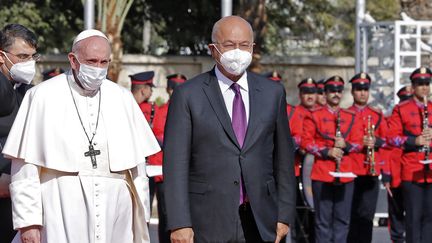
(111, 16)
(417, 9)
(283, 27)
(314, 27)
(54, 22)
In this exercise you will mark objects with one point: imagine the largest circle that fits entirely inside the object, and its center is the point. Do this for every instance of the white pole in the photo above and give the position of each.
(226, 8)
(89, 14)
(360, 12)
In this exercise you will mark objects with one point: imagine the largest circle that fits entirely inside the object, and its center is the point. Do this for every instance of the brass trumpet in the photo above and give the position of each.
(338, 134)
(371, 149)
(425, 123)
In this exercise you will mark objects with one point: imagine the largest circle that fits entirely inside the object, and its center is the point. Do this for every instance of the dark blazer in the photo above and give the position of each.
(7, 121)
(7, 96)
(203, 161)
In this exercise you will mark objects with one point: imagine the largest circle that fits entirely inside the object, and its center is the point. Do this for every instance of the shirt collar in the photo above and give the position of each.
(359, 108)
(418, 103)
(331, 110)
(225, 83)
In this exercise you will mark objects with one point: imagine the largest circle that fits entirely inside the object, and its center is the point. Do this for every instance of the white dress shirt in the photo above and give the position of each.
(228, 94)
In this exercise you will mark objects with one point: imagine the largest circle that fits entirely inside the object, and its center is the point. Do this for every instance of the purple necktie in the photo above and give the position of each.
(239, 125)
(239, 122)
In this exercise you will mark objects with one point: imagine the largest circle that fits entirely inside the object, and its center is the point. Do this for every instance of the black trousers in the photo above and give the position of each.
(164, 234)
(366, 189)
(247, 230)
(332, 211)
(418, 218)
(303, 229)
(152, 190)
(6, 228)
(396, 217)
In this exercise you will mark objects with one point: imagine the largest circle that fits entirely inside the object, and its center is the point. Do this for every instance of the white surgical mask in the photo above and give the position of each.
(235, 61)
(91, 77)
(22, 72)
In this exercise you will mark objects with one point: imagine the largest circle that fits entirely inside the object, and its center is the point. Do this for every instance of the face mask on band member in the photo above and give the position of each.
(235, 61)
(22, 72)
(91, 77)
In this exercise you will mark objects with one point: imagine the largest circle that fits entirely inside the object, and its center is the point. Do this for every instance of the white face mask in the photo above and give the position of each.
(235, 61)
(22, 72)
(91, 77)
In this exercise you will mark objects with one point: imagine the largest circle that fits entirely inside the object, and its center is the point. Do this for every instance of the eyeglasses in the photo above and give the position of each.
(25, 57)
(228, 46)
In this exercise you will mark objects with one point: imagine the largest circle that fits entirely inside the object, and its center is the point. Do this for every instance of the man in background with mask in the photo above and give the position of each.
(78, 149)
(228, 152)
(17, 68)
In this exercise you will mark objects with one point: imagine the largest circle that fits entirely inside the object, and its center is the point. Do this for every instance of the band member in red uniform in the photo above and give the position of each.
(307, 95)
(158, 130)
(409, 129)
(396, 211)
(321, 99)
(369, 163)
(331, 134)
(142, 89)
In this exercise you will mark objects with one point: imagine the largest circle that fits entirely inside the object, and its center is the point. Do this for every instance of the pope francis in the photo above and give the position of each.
(78, 147)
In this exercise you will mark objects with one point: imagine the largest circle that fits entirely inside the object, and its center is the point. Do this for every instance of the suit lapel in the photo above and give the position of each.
(212, 90)
(254, 108)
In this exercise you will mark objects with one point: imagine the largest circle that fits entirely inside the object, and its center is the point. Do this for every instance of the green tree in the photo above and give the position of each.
(185, 26)
(320, 27)
(417, 9)
(54, 22)
(111, 16)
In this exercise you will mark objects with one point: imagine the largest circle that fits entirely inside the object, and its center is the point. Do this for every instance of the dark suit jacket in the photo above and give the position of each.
(203, 161)
(7, 96)
(7, 121)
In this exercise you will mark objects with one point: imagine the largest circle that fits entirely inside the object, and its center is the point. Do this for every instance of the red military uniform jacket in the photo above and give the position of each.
(290, 111)
(296, 127)
(393, 158)
(360, 165)
(319, 131)
(158, 130)
(405, 125)
(149, 110)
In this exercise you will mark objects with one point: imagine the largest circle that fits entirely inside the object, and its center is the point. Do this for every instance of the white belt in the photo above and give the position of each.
(114, 175)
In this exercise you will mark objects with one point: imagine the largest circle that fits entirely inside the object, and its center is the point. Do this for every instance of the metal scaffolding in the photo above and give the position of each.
(389, 52)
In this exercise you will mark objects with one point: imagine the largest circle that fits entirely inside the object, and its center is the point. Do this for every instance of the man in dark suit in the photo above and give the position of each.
(228, 152)
(17, 69)
(7, 97)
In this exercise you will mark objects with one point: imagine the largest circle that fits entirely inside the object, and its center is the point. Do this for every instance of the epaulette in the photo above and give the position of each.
(348, 111)
(376, 110)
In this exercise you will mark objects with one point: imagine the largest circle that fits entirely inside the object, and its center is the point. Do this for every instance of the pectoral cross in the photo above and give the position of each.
(92, 153)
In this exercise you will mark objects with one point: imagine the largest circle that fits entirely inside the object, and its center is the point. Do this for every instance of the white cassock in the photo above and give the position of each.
(54, 184)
